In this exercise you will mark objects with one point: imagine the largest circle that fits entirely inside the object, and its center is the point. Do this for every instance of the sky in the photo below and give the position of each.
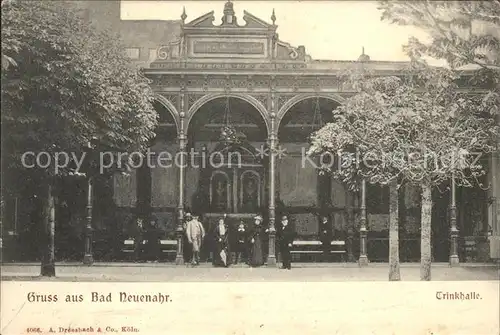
(334, 30)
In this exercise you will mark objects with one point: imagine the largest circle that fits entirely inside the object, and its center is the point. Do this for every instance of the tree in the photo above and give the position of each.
(416, 130)
(361, 139)
(464, 33)
(68, 84)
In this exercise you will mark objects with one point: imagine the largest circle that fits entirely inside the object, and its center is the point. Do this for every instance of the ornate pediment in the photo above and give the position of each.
(203, 21)
(207, 21)
(254, 42)
(229, 20)
(253, 21)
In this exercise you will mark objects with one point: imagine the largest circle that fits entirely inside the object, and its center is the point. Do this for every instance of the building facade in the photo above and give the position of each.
(237, 106)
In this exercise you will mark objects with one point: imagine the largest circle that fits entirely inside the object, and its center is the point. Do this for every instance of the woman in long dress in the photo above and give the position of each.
(221, 243)
(256, 237)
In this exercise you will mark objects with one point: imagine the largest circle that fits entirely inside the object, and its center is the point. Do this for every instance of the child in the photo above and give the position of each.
(241, 243)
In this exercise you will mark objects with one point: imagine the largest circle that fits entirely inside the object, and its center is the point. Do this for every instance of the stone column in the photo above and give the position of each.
(454, 261)
(179, 259)
(88, 258)
(363, 232)
(271, 258)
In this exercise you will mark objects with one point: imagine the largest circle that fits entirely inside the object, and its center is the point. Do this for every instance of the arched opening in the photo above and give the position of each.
(213, 153)
(226, 172)
(302, 191)
(149, 190)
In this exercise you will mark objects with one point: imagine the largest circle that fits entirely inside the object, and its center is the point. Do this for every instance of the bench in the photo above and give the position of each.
(166, 247)
(316, 248)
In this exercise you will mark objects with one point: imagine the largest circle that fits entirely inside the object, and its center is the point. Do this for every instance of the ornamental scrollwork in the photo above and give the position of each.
(262, 98)
(282, 99)
(173, 98)
(163, 52)
(192, 98)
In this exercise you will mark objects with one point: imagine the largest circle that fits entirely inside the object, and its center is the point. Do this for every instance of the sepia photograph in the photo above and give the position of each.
(250, 167)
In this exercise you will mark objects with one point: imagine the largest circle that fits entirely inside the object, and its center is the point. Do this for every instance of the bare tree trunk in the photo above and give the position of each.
(425, 243)
(48, 267)
(394, 273)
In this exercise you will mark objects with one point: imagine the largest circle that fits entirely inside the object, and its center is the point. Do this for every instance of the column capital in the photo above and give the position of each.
(182, 141)
(272, 140)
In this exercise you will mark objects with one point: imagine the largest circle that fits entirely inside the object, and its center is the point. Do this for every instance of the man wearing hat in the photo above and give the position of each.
(187, 250)
(256, 237)
(325, 236)
(195, 234)
(285, 236)
(241, 243)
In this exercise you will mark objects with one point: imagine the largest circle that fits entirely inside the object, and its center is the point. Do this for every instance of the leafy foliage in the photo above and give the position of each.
(68, 83)
(462, 32)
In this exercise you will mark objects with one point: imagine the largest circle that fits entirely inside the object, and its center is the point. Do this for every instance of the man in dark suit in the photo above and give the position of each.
(325, 236)
(285, 240)
(241, 243)
(153, 241)
(138, 240)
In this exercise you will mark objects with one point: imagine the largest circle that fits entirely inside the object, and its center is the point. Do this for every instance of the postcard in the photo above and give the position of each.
(250, 167)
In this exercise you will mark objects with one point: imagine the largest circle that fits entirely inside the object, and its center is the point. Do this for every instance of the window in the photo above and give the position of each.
(132, 53)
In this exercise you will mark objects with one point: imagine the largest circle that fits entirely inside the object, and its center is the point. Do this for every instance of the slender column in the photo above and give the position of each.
(363, 232)
(350, 225)
(235, 191)
(494, 203)
(271, 258)
(454, 261)
(179, 259)
(88, 258)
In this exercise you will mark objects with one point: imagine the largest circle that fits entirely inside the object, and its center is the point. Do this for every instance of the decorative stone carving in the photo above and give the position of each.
(205, 83)
(166, 81)
(228, 66)
(227, 84)
(290, 66)
(296, 84)
(282, 99)
(173, 98)
(228, 48)
(217, 82)
(262, 82)
(286, 51)
(273, 84)
(239, 83)
(170, 51)
(329, 82)
(250, 83)
(192, 98)
(284, 82)
(195, 82)
(308, 82)
(262, 98)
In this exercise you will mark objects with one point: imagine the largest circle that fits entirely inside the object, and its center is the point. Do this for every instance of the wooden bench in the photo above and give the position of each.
(167, 247)
(316, 247)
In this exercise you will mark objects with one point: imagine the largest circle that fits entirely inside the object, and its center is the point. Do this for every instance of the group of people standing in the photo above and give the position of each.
(248, 242)
(146, 237)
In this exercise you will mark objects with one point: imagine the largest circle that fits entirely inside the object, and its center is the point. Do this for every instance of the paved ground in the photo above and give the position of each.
(340, 299)
(302, 272)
